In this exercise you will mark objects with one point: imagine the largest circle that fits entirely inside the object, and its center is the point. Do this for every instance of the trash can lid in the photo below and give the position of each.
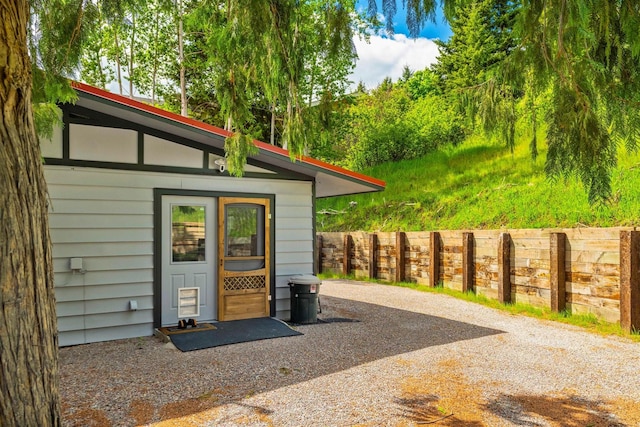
(305, 279)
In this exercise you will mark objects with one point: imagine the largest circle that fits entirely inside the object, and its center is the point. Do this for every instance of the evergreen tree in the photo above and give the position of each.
(482, 38)
(406, 74)
(469, 62)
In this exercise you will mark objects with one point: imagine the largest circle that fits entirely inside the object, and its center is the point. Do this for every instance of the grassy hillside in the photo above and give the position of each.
(483, 186)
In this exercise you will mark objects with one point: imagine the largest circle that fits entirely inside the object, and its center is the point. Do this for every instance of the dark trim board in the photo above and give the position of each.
(140, 149)
(314, 217)
(65, 133)
(166, 169)
(75, 114)
(157, 241)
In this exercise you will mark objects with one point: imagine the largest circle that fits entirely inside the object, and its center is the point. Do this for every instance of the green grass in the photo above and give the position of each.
(480, 185)
(588, 322)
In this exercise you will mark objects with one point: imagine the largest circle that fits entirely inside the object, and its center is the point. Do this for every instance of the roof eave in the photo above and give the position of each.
(354, 182)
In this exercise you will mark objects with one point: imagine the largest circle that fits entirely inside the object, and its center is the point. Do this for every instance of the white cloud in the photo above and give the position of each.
(386, 57)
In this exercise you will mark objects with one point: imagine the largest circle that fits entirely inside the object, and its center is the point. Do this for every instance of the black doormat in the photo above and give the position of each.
(233, 332)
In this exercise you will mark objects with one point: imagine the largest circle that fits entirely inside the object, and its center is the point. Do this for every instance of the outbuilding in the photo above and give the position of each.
(148, 227)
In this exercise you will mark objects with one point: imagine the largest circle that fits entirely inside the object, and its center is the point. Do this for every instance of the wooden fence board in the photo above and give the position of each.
(630, 280)
(539, 283)
(591, 264)
(401, 266)
(373, 259)
(591, 301)
(434, 258)
(542, 254)
(594, 257)
(607, 314)
(592, 279)
(594, 233)
(611, 245)
(346, 254)
(504, 268)
(557, 271)
(489, 292)
(539, 244)
(606, 292)
(468, 270)
(531, 263)
(587, 267)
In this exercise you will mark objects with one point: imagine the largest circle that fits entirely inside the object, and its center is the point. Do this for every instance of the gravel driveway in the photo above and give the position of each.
(411, 359)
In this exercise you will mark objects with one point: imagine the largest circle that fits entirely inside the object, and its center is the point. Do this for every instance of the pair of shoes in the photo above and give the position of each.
(182, 324)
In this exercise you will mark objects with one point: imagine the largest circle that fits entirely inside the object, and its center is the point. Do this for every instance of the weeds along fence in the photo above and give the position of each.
(581, 270)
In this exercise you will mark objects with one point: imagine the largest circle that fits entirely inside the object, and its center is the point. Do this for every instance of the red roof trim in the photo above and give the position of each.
(319, 163)
(100, 93)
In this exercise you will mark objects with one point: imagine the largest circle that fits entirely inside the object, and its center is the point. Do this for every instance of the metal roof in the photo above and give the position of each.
(330, 180)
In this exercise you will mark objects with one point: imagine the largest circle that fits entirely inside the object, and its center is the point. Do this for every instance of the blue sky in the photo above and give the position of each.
(432, 30)
(386, 56)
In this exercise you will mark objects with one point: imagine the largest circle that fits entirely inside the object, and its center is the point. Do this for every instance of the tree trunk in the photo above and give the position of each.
(118, 67)
(285, 141)
(154, 73)
(273, 124)
(132, 47)
(183, 83)
(28, 334)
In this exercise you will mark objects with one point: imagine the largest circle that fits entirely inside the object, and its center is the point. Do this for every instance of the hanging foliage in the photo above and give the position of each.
(293, 54)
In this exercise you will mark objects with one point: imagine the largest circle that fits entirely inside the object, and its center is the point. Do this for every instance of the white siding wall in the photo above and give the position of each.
(105, 217)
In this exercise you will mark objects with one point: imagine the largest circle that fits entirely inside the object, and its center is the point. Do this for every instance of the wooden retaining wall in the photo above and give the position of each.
(582, 270)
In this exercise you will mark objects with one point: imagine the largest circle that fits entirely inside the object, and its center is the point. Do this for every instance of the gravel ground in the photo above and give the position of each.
(411, 359)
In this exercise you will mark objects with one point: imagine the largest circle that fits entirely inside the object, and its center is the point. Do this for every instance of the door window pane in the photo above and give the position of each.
(244, 230)
(187, 233)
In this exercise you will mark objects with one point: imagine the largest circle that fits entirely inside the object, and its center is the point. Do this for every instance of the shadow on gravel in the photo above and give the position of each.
(566, 411)
(425, 410)
(228, 374)
(521, 410)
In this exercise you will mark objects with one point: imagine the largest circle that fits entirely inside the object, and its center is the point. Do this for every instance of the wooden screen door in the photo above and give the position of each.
(243, 248)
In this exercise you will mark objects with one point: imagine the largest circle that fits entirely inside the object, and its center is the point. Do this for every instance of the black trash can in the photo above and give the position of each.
(304, 298)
